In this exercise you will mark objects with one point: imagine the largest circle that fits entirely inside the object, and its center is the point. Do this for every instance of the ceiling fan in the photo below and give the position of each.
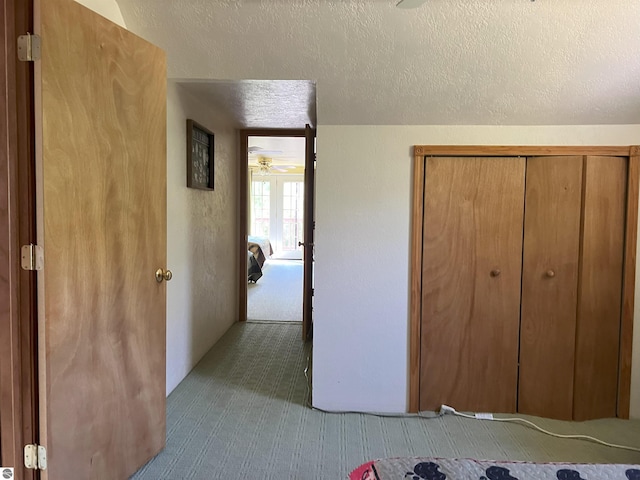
(265, 166)
(410, 3)
(261, 160)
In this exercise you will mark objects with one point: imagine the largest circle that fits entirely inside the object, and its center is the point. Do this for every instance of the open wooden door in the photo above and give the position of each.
(309, 227)
(101, 172)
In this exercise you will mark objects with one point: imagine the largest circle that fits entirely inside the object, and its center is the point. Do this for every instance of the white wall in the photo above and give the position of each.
(202, 298)
(107, 8)
(363, 202)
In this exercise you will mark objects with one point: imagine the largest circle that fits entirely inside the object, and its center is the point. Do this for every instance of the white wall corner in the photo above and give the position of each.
(107, 8)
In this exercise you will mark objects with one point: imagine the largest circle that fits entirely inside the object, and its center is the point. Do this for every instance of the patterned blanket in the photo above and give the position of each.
(468, 469)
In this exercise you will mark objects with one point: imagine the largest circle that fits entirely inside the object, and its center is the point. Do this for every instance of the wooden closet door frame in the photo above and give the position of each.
(629, 266)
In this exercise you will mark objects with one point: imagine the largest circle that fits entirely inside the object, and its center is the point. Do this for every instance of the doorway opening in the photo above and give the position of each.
(276, 227)
(277, 219)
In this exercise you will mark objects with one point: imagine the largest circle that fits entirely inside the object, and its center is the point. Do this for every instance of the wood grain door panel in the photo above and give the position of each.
(472, 254)
(600, 288)
(550, 285)
(102, 223)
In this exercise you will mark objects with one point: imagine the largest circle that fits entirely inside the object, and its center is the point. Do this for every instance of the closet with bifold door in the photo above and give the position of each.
(522, 279)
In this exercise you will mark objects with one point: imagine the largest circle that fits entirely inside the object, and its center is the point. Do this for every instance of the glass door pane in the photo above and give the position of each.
(292, 215)
(289, 216)
(261, 208)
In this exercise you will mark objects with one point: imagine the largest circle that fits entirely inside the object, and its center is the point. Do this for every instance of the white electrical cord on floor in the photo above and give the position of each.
(425, 415)
(445, 409)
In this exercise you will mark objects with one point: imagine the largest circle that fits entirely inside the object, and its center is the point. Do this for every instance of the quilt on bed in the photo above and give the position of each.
(257, 256)
(468, 469)
(257, 252)
(254, 270)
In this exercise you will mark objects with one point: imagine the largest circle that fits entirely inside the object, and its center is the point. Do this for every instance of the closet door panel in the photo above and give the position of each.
(550, 286)
(472, 254)
(600, 288)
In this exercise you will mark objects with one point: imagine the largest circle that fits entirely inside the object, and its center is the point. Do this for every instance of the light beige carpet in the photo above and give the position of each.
(241, 414)
(277, 296)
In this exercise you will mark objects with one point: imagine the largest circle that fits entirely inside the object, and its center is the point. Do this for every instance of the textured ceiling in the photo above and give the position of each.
(479, 62)
(280, 150)
(260, 103)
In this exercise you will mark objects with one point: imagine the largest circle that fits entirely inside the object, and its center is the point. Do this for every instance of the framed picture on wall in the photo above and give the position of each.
(200, 164)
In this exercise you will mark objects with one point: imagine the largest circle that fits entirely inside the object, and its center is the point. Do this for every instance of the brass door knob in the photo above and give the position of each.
(550, 273)
(163, 275)
(495, 273)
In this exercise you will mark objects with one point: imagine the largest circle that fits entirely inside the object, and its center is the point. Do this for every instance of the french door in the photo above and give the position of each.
(277, 203)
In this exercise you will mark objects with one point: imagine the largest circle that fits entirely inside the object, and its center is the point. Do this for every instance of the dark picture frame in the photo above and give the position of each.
(200, 159)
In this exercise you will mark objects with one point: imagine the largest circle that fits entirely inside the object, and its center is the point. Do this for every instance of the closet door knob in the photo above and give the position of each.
(495, 273)
(551, 273)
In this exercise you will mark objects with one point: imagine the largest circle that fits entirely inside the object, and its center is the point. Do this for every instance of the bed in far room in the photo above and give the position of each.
(258, 250)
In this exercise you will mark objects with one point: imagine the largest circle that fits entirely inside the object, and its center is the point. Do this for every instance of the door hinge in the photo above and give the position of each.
(35, 457)
(28, 47)
(32, 257)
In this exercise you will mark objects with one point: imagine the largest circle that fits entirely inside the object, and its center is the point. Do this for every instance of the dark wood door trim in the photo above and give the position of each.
(243, 219)
(243, 202)
(18, 316)
(629, 266)
(309, 228)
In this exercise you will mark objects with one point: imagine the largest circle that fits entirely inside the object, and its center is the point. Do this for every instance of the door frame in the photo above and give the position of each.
(309, 231)
(243, 203)
(420, 152)
(18, 335)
